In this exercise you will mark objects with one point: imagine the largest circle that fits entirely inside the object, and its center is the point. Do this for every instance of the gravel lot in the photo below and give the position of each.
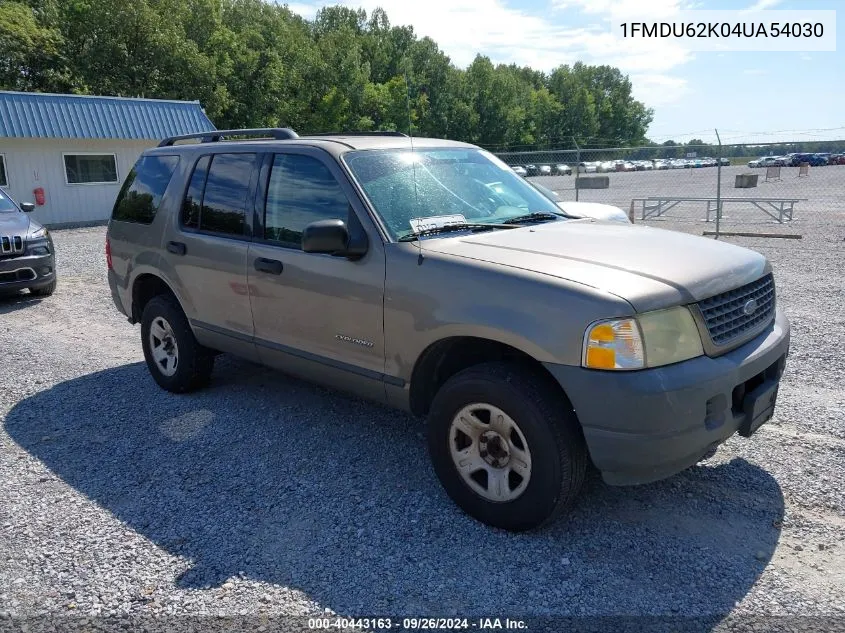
(266, 495)
(822, 195)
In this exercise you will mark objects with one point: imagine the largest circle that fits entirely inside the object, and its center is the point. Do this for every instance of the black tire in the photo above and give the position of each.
(45, 291)
(195, 362)
(559, 455)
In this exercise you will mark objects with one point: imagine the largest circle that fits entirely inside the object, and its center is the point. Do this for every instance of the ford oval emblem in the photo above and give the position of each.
(750, 307)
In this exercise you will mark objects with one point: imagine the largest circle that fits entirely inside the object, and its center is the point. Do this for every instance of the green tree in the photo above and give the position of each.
(255, 63)
(670, 150)
(31, 56)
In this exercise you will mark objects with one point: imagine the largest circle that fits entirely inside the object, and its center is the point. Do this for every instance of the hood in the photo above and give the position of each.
(650, 268)
(16, 223)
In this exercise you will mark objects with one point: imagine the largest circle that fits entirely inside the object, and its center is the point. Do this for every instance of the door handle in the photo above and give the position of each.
(177, 248)
(271, 266)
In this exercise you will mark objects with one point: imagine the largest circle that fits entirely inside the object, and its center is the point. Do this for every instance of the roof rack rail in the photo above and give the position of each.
(379, 133)
(213, 136)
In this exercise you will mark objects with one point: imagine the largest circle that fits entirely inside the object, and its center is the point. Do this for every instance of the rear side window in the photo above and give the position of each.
(193, 197)
(217, 194)
(141, 193)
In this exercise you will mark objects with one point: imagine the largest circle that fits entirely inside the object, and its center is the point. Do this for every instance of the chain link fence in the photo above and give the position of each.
(775, 193)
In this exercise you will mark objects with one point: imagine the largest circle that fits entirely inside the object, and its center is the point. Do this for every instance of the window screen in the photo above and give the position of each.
(301, 190)
(141, 194)
(90, 168)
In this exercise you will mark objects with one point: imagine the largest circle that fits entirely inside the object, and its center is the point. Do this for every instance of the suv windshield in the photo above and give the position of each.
(403, 185)
(6, 205)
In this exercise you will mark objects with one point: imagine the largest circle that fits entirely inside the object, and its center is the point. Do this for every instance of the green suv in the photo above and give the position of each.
(425, 274)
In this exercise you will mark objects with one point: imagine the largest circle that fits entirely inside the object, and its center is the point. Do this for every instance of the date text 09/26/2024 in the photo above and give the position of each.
(416, 624)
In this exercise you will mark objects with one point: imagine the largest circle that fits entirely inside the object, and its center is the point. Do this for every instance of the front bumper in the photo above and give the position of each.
(646, 425)
(27, 271)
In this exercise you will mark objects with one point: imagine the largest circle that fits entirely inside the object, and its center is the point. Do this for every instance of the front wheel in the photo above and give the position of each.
(44, 291)
(506, 446)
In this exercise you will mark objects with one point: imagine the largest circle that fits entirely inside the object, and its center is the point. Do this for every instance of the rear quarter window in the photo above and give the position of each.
(141, 193)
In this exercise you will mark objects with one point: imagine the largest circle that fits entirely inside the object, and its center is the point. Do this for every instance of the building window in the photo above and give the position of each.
(4, 179)
(86, 169)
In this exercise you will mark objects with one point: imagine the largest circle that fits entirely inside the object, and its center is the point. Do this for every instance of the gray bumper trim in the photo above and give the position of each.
(646, 425)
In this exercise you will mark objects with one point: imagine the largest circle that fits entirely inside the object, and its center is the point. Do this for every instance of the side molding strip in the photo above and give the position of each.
(330, 362)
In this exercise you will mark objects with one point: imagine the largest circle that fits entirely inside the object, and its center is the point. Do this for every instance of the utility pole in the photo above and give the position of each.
(577, 165)
(718, 186)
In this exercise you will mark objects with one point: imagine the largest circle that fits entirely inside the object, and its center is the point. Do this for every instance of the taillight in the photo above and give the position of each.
(108, 253)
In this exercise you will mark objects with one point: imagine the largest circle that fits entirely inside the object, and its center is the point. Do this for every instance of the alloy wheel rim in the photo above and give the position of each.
(490, 452)
(165, 351)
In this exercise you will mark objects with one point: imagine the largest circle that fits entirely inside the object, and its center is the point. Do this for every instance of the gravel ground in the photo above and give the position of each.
(266, 495)
(822, 196)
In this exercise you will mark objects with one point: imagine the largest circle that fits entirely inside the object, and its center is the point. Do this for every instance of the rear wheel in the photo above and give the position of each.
(506, 447)
(177, 362)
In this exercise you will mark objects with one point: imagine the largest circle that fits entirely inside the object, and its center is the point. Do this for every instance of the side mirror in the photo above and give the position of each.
(332, 237)
(27, 207)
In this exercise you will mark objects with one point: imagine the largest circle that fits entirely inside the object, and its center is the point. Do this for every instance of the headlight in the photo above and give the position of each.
(42, 232)
(651, 339)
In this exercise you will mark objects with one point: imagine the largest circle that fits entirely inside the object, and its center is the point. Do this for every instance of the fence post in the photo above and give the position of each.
(577, 165)
(718, 185)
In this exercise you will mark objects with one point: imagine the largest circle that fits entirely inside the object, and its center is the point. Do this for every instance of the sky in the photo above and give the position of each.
(747, 96)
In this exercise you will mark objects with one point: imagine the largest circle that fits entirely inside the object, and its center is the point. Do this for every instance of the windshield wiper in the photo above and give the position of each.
(537, 216)
(451, 228)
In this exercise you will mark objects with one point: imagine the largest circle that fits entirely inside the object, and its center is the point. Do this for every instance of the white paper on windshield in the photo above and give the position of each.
(418, 225)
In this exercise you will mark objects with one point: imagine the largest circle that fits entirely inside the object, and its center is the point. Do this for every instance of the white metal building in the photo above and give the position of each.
(70, 154)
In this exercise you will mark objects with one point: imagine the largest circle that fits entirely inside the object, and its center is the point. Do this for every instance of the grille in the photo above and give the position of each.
(11, 244)
(729, 317)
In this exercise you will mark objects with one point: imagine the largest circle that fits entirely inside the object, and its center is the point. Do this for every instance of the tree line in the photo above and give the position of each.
(254, 63)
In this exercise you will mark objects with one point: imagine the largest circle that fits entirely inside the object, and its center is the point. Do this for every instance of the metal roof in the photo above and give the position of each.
(43, 115)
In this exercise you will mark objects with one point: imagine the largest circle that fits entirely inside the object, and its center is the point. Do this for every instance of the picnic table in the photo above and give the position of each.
(779, 209)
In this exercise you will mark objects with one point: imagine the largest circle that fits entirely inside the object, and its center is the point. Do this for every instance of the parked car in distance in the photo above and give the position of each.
(337, 259)
(532, 169)
(520, 170)
(587, 167)
(27, 255)
(815, 160)
(545, 170)
(578, 209)
(764, 161)
(562, 170)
